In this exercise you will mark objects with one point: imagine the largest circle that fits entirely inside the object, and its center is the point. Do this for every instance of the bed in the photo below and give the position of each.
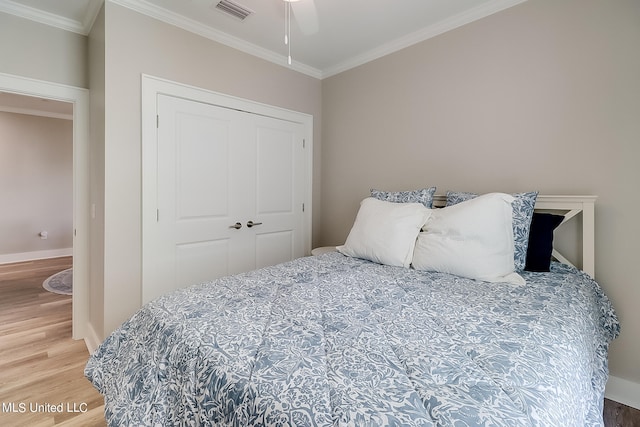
(337, 340)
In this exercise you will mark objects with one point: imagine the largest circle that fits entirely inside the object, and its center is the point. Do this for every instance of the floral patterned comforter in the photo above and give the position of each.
(337, 341)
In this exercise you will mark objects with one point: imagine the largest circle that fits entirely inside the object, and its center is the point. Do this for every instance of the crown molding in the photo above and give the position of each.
(187, 24)
(422, 35)
(146, 8)
(53, 20)
(91, 14)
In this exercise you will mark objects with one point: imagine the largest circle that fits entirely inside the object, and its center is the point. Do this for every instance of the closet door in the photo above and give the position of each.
(229, 194)
(278, 191)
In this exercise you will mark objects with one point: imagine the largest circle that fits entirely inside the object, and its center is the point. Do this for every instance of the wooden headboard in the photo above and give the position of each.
(570, 207)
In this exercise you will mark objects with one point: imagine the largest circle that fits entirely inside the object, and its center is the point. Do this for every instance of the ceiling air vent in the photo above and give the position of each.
(234, 9)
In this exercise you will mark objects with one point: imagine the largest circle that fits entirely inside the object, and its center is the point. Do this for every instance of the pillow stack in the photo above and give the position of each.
(540, 246)
(424, 196)
(522, 205)
(385, 232)
(473, 239)
(479, 237)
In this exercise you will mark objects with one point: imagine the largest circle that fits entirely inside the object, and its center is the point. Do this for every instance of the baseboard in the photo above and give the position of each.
(91, 340)
(623, 391)
(31, 256)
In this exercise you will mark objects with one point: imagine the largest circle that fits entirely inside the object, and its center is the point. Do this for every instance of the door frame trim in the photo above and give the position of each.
(79, 97)
(154, 86)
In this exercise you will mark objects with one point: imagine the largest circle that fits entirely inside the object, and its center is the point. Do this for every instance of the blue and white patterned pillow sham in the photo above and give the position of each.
(424, 196)
(523, 206)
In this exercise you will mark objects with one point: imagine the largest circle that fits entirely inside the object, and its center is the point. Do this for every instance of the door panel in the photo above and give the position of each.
(194, 195)
(275, 170)
(279, 193)
(194, 261)
(274, 248)
(202, 157)
(217, 167)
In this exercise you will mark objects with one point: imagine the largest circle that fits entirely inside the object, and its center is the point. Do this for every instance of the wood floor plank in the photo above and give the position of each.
(42, 379)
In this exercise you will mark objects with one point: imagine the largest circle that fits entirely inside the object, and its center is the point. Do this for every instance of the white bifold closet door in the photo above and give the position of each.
(230, 194)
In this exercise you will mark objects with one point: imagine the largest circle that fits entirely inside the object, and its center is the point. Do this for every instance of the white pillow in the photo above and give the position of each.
(385, 232)
(472, 239)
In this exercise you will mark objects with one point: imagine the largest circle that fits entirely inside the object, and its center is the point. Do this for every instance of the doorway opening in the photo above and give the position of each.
(78, 98)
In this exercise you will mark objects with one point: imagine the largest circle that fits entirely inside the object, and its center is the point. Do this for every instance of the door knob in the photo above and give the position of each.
(251, 224)
(237, 226)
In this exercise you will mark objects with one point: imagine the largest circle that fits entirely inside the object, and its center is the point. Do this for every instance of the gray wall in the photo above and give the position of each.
(136, 44)
(39, 51)
(543, 96)
(96, 61)
(33, 50)
(36, 184)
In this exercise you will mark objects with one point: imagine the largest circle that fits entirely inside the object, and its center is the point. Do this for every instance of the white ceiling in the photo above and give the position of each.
(351, 32)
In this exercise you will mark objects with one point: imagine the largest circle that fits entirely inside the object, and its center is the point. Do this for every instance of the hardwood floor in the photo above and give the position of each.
(619, 415)
(42, 379)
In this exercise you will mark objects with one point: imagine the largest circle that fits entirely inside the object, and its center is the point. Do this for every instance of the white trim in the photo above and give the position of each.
(149, 9)
(423, 34)
(154, 86)
(34, 112)
(38, 15)
(79, 97)
(575, 205)
(623, 391)
(188, 24)
(193, 26)
(31, 256)
(91, 340)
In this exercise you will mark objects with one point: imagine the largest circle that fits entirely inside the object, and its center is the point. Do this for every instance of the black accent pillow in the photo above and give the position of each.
(541, 241)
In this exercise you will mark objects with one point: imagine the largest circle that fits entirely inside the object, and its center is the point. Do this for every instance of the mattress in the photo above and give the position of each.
(331, 340)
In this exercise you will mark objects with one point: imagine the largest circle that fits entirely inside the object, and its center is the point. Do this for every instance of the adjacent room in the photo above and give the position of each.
(197, 146)
(37, 178)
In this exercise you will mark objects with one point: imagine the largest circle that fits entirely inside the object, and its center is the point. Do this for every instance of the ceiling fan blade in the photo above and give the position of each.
(306, 16)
